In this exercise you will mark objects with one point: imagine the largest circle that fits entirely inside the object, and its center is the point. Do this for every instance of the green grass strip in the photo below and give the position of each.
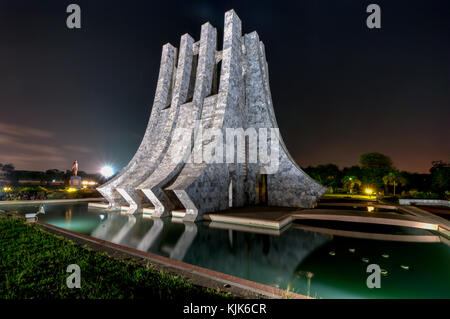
(33, 264)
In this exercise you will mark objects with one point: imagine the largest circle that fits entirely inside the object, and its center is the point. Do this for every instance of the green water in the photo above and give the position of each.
(307, 262)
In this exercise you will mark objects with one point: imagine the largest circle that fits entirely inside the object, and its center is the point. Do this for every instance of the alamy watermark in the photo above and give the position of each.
(230, 145)
(373, 21)
(374, 279)
(73, 20)
(73, 280)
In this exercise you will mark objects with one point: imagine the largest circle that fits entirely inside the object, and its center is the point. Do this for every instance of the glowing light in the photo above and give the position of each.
(88, 183)
(370, 209)
(7, 189)
(102, 217)
(71, 189)
(107, 171)
(368, 191)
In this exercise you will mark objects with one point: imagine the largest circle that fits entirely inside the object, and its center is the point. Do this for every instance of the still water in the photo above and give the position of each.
(310, 258)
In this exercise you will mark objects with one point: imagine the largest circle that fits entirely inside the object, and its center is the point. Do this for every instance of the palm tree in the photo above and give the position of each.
(350, 182)
(394, 179)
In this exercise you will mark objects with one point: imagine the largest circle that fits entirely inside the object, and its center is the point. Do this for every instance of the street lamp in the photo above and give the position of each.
(107, 171)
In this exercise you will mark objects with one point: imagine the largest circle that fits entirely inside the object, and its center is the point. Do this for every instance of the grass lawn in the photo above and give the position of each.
(33, 264)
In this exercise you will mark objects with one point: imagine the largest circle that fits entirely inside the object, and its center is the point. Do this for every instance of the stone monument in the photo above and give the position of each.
(75, 181)
(227, 94)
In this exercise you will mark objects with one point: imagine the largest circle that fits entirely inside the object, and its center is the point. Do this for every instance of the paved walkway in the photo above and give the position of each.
(277, 218)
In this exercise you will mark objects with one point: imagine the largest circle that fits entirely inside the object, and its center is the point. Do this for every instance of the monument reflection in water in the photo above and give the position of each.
(314, 263)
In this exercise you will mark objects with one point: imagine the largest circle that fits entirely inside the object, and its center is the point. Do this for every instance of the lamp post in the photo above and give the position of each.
(369, 192)
(107, 171)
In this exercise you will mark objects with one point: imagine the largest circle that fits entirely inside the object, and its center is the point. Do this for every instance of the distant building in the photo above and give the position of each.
(40, 182)
(49, 178)
(29, 182)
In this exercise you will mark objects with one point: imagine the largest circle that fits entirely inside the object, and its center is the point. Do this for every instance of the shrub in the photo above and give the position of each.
(57, 195)
(28, 193)
(420, 195)
(30, 189)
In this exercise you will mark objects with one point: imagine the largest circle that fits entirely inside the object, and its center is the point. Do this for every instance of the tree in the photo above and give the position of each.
(440, 176)
(67, 176)
(354, 170)
(417, 181)
(394, 178)
(54, 174)
(374, 176)
(373, 167)
(375, 160)
(328, 175)
(9, 168)
(350, 182)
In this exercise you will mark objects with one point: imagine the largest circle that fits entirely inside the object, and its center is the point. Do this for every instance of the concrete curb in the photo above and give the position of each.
(426, 202)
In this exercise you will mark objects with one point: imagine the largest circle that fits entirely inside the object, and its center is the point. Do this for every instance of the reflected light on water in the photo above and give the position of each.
(311, 262)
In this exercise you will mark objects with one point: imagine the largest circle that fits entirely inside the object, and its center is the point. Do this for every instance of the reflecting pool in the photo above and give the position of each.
(318, 259)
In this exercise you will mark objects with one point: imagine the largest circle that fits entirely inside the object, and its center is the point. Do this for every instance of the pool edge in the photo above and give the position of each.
(241, 287)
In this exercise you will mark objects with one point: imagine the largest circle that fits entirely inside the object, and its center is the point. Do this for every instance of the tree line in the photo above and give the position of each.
(376, 171)
(14, 176)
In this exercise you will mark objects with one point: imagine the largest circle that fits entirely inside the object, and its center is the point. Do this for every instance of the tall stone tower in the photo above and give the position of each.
(240, 160)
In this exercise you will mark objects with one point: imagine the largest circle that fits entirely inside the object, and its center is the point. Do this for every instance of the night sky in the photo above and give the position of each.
(339, 89)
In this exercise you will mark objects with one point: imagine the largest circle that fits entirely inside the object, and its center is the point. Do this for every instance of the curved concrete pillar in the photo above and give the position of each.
(171, 164)
(163, 132)
(108, 190)
(289, 186)
(203, 186)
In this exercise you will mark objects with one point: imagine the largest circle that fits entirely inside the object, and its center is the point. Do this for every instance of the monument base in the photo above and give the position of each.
(75, 182)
